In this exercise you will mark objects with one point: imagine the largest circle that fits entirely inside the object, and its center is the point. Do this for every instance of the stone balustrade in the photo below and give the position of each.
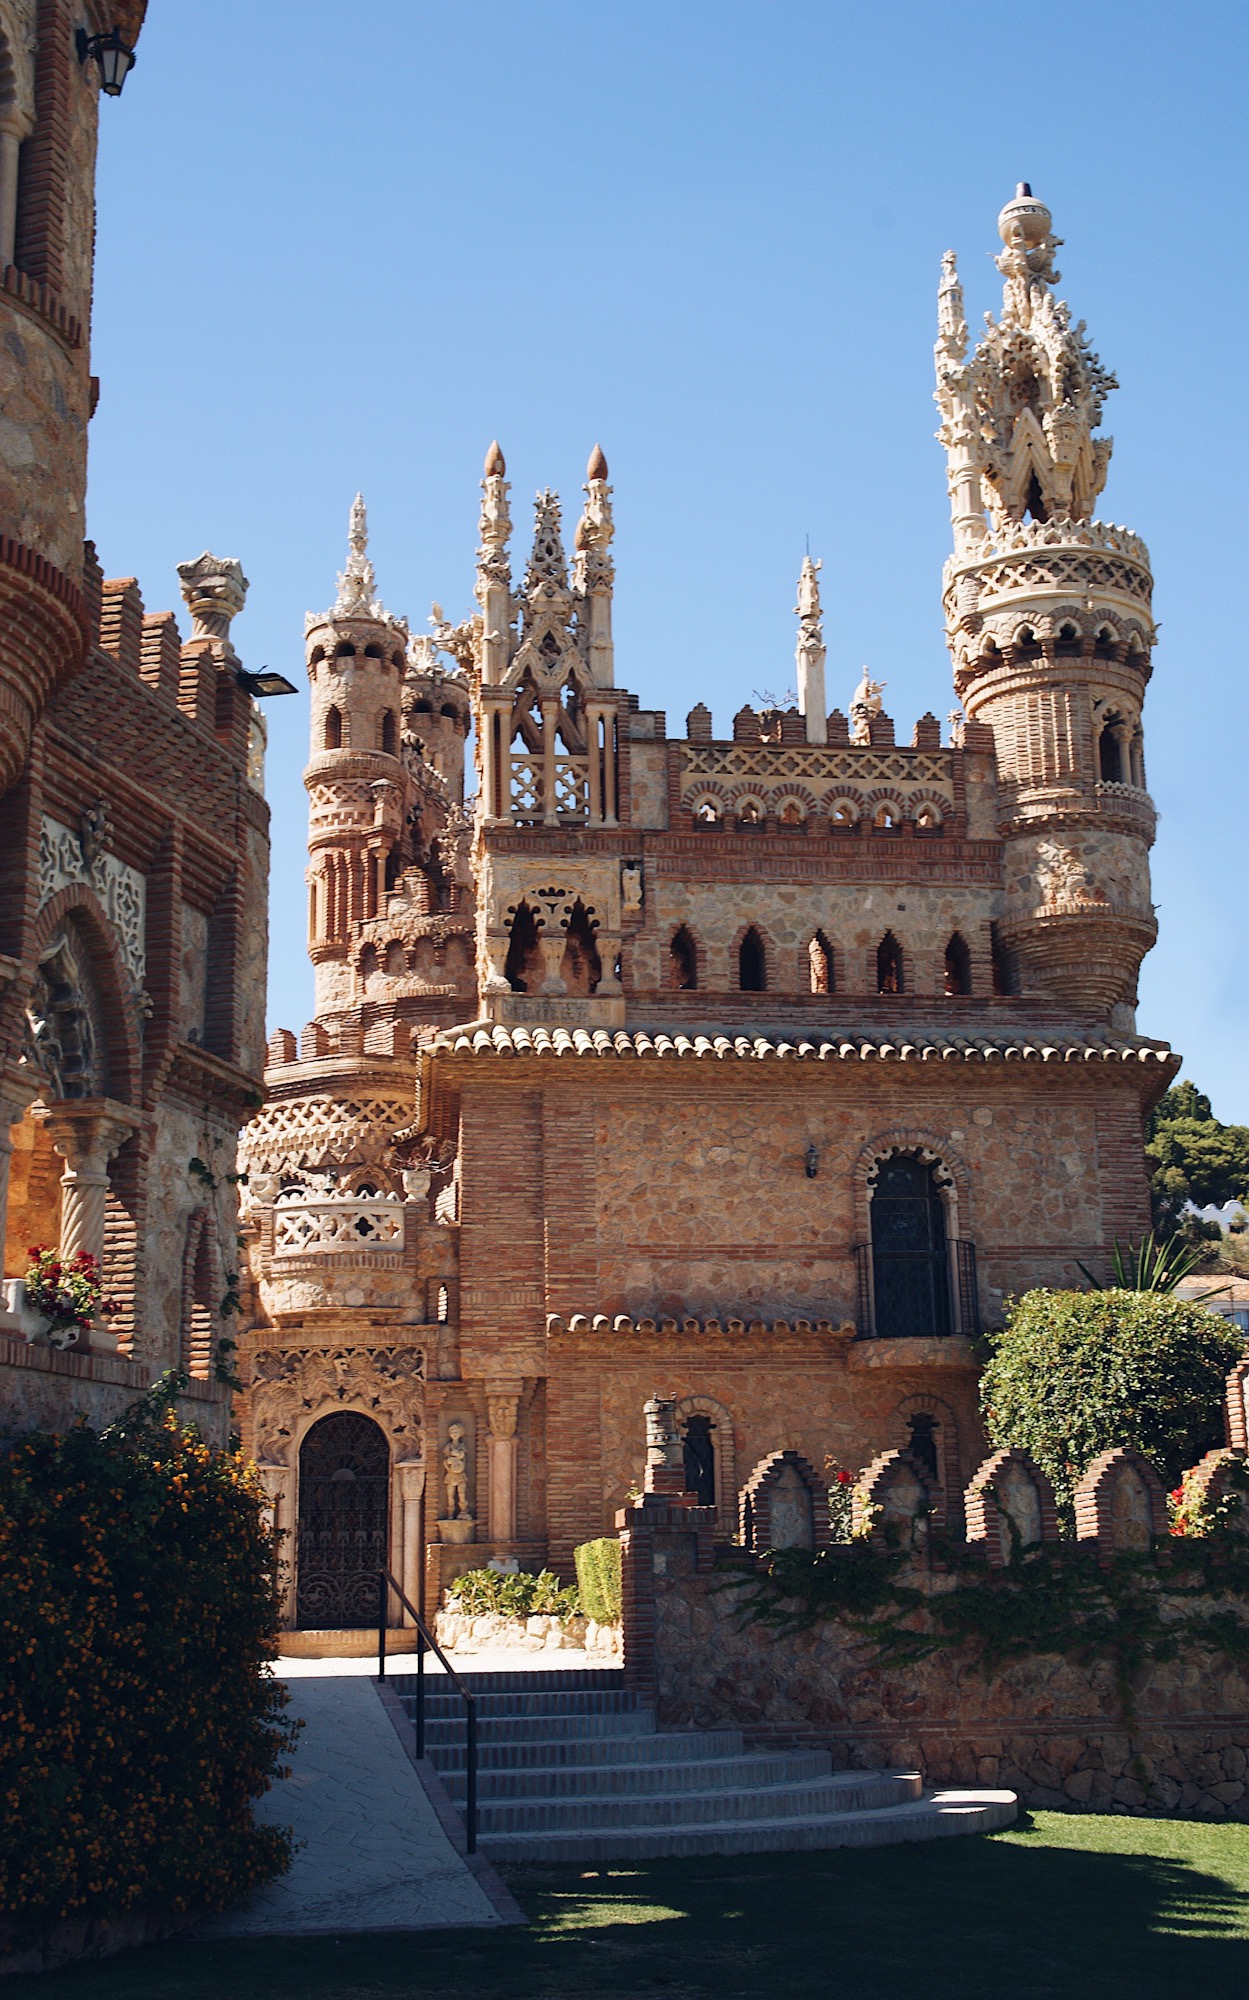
(337, 1225)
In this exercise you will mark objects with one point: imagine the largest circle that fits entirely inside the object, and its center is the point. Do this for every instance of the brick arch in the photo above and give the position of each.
(125, 1066)
(801, 795)
(854, 799)
(726, 1454)
(701, 955)
(926, 795)
(909, 1139)
(749, 794)
(769, 954)
(948, 1496)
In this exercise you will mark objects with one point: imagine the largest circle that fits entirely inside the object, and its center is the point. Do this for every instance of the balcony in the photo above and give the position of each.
(945, 1296)
(344, 1226)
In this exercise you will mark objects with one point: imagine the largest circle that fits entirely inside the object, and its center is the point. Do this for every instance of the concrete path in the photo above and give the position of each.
(370, 1853)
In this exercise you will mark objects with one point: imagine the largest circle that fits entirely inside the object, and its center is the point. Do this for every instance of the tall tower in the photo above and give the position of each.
(356, 655)
(1049, 623)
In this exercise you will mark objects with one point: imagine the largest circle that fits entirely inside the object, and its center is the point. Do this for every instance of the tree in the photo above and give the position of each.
(1073, 1374)
(1192, 1157)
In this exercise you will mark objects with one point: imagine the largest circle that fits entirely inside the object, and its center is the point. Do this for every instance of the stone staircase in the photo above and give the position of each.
(571, 1767)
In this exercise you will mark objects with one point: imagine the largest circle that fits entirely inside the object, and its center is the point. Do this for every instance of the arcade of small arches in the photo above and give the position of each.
(850, 814)
(891, 973)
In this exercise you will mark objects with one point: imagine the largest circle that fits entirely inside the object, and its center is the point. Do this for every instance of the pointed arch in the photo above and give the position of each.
(890, 967)
(525, 965)
(389, 735)
(332, 735)
(752, 962)
(957, 966)
(580, 967)
(682, 960)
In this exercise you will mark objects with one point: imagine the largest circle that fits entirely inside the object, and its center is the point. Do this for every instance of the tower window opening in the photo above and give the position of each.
(928, 821)
(524, 966)
(957, 966)
(750, 813)
(752, 971)
(1109, 762)
(1068, 641)
(449, 713)
(389, 733)
(393, 870)
(792, 813)
(344, 650)
(845, 818)
(1104, 644)
(700, 1459)
(682, 961)
(820, 956)
(372, 652)
(580, 968)
(1035, 506)
(333, 729)
(707, 813)
(1005, 972)
(889, 971)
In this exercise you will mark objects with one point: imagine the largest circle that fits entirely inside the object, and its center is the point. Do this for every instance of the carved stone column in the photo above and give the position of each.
(410, 1473)
(17, 1092)
(87, 1134)
(278, 1482)
(503, 1407)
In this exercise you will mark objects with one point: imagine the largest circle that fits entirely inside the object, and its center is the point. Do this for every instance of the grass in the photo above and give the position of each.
(1061, 1905)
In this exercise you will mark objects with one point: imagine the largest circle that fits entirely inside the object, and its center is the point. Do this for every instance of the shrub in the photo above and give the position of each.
(1076, 1373)
(138, 1600)
(598, 1576)
(520, 1595)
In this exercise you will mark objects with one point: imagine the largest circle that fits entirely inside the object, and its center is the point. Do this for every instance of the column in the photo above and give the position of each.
(12, 132)
(410, 1473)
(593, 719)
(503, 1408)
(87, 1134)
(550, 713)
(609, 768)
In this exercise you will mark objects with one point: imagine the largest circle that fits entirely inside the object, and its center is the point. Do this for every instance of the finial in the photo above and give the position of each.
(357, 584)
(213, 588)
(597, 467)
(496, 464)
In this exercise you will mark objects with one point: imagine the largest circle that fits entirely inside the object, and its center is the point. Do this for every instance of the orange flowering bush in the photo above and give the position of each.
(138, 1599)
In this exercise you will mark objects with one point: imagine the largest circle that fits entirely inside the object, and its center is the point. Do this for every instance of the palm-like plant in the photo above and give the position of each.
(1153, 1266)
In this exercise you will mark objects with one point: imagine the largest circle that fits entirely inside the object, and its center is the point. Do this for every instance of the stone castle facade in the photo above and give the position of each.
(756, 1068)
(133, 831)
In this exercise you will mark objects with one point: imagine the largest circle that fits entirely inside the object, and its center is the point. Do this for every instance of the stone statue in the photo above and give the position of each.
(455, 1472)
(865, 707)
(631, 890)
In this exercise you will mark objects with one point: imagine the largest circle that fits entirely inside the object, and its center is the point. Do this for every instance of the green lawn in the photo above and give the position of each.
(1061, 1906)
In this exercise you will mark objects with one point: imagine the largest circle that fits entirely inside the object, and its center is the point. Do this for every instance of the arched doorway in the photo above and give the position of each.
(344, 1490)
(910, 1260)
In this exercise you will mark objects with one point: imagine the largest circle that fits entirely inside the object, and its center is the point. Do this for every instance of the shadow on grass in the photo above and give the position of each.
(954, 1918)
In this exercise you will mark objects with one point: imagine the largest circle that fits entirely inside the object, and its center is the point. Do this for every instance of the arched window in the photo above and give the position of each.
(396, 960)
(887, 818)
(580, 967)
(707, 813)
(844, 817)
(750, 813)
(752, 967)
(700, 1459)
(525, 965)
(820, 955)
(792, 813)
(889, 971)
(923, 1427)
(682, 961)
(390, 735)
(1109, 763)
(1005, 971)
(957, 965)
(333, 729)
(342, 1541)
(910, 1262)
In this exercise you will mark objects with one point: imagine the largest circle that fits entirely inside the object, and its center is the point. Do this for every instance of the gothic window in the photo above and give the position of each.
(910, 1264)
(682, 961)
(65, 1019)
(889, 970)
(707, 813)
(752, 970)
(1104, 644)
(750, 813)
(1036, 508)
(887, 819)
(524, 967)
(333, 729)
(928, 821)
(923, 1444)
(957, 966)
(700, 1459)
(844, 818)
(820, 955)
(390, 735)
(1109, 760)
(792, 813)
(1005, 972)
(580, 968)
(1068, 645)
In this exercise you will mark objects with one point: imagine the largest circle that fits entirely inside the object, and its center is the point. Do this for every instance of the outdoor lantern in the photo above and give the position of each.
(813, 1161)
(266, 682)
(114, 57)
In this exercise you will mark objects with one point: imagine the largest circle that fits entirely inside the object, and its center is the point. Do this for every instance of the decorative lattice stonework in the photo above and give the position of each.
(823, 772)
(309, 1132)
(291, 1387)
(122, 890)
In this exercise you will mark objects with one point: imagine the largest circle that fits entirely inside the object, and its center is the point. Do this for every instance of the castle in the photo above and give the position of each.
(134, 836)
(757, 1068)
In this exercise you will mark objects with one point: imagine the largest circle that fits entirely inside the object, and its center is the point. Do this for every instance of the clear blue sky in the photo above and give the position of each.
(347, 246)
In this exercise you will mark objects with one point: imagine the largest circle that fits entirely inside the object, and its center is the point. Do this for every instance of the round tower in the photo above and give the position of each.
(437, 713)
(356, 655)
(1049, 623)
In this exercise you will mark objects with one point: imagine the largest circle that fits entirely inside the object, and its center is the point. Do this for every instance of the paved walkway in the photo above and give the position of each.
(370, 1853)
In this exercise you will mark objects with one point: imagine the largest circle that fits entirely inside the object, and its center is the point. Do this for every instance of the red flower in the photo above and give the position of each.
(845, 1478)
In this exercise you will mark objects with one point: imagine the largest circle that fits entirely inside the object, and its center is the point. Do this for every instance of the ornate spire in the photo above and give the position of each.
(357, 583)
(493, 588)
(811, 651)
(594, 572)
(546, 561)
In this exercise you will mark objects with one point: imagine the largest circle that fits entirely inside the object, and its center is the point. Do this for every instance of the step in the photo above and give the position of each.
(401, 1674)
(687, 1774)
(588, 1753)
(656, 1811)
(538, 1702)
(931, 1816)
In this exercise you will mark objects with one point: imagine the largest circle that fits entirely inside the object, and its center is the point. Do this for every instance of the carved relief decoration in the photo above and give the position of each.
(67, 857)
(292, 1385)
(311, 1132)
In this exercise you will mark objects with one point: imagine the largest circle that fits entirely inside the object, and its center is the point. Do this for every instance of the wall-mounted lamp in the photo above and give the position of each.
(266, 682)
(813, 1161)
(114, 58)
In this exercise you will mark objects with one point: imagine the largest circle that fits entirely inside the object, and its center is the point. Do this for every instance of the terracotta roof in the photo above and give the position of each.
(493, 1039)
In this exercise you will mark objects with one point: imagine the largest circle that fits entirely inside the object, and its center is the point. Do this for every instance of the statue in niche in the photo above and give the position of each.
(455, 1472)
(631, 889)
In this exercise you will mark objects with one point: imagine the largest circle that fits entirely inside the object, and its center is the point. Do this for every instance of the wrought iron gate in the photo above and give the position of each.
(344, 1493)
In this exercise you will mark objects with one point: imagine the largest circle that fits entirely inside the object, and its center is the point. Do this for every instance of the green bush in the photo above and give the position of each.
(1073, 1374)
(138, 1602)
(479, 1591)
(598, 1575)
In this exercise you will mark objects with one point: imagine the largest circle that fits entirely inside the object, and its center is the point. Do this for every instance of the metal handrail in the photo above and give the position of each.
(425, 1638)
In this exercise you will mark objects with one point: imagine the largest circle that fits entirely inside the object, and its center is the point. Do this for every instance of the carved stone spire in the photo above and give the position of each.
(811, 652)
(594, 572)
(357, 584)
(546, 561)
(493, 588)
